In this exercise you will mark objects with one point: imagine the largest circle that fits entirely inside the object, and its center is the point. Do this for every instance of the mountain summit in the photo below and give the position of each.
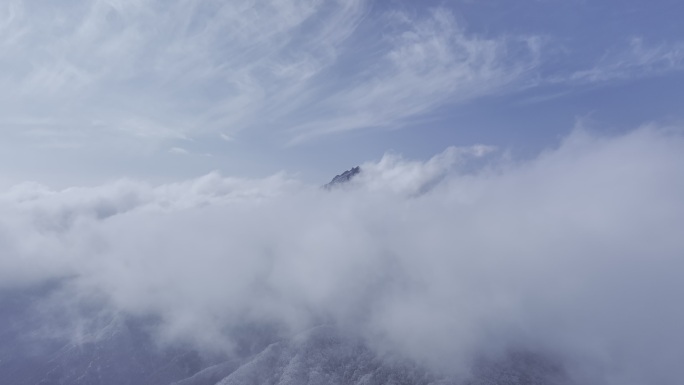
(343, 178)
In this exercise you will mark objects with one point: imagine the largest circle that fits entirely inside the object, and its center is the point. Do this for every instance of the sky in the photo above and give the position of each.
(93, 91)
(521, 174)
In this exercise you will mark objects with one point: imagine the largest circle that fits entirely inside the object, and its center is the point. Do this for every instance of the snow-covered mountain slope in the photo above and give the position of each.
(48, 346)
(325, 356)
(117, 350)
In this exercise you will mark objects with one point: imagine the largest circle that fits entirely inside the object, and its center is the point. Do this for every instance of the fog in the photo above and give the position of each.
(577, 254)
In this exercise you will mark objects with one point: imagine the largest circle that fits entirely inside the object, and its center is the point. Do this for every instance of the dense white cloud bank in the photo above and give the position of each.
(577, 253)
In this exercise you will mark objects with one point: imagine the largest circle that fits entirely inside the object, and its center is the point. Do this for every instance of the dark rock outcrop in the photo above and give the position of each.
(343, 178)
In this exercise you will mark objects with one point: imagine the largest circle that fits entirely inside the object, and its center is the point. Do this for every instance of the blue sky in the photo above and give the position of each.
(166, 90)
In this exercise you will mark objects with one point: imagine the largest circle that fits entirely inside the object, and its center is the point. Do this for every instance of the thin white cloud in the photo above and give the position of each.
(94, 71)
(191, 68)
(300, 68)
(575, 254)
(429, 61)
(637, 61)
(178, 151)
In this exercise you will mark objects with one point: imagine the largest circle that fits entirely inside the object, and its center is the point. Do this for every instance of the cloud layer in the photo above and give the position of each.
(575, 254)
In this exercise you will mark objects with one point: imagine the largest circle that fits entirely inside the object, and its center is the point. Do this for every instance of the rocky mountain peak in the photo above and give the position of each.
(343, 178)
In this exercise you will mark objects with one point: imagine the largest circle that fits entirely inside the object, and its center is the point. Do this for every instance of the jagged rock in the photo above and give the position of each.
(343, 178)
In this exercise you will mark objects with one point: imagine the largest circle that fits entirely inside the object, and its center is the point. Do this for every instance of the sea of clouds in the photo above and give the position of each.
(576, 254)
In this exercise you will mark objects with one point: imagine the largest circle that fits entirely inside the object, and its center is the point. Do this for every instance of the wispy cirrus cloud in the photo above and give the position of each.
(80, 73)
(637, 60)
(168, 70)
(429, 61)
(162, 69)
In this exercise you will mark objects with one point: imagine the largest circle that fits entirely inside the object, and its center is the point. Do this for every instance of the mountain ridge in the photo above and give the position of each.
(343, 178)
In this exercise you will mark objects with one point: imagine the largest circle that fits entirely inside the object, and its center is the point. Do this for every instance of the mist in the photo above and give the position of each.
(576, 254)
